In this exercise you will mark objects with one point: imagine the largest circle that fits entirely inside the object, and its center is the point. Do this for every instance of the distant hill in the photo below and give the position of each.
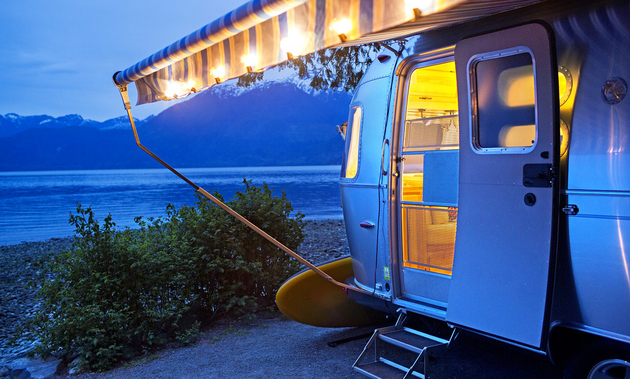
(269, 125)
(11, 123)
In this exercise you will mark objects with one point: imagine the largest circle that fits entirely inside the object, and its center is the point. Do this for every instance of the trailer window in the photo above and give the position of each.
(505, 103)
(429, 240)
(350, 162)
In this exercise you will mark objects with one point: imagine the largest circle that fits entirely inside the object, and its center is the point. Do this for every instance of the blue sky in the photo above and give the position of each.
(58, 57)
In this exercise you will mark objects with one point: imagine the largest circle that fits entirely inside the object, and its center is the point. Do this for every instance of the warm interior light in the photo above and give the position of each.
(565, 84)
(516, 86)
(562, 84)
(517, 135)
(431, 124)
(432, 91)
(352, 164)
(342, 26)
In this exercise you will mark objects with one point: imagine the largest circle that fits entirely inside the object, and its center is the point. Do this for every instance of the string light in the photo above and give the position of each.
(342, 28)
(250, 61)
(176, 90)
(218, 73)
(291, 45)
(417, 7)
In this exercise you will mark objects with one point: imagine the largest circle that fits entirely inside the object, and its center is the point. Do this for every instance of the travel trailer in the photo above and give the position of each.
(485, 182)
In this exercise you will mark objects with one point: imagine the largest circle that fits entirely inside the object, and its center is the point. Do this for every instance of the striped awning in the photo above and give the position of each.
(262, 33)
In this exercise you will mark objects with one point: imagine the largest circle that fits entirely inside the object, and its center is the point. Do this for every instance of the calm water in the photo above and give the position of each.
(35, 205)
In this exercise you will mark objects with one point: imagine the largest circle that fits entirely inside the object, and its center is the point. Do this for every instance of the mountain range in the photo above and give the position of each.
(272, 124)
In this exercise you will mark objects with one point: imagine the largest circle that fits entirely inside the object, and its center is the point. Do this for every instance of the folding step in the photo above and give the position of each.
(398, 352)
(412, 340)
(385, 369)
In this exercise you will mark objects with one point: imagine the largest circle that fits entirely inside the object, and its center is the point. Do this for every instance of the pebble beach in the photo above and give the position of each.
(324, 240)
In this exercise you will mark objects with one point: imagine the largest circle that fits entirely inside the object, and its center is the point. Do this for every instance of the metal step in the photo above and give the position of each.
(378, 370)
(416, 347)
(385, 369)
(412, 340)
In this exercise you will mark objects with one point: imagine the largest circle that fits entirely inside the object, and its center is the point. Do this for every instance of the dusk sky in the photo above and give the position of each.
(59, 56)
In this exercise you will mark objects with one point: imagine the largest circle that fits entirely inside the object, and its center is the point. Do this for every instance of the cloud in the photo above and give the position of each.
(69, 49)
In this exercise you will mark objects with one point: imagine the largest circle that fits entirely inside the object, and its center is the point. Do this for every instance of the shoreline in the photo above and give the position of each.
(324, 240)
(55, 239)
(52, 240)
(42, 241)
(311, 245)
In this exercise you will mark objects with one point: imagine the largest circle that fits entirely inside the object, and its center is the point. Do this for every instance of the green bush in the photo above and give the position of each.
(117, 294)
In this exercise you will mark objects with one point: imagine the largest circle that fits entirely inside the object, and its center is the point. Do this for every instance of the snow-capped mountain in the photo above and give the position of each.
(11, 123)
(269, 124)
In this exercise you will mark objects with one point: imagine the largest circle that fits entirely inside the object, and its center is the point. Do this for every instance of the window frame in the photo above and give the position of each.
(473, 110)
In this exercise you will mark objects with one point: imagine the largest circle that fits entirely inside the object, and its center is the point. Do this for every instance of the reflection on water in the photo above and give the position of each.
(35, 205)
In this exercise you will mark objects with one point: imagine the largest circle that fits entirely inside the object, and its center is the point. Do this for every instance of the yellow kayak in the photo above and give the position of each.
(310, 299)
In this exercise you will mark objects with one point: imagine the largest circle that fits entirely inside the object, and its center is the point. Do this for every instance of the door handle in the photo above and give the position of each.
(367, 224)
(537, 175)
(384, 165)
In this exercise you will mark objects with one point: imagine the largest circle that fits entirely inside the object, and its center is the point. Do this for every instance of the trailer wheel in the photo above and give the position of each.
(611, 368)
(604, 360)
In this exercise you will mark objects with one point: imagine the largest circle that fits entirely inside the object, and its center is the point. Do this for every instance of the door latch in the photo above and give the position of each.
(570, 209)
(537, 175)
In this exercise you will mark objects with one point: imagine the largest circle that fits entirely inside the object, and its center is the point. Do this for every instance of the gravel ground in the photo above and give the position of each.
(19, 265)
(278, 348)
(267, 347)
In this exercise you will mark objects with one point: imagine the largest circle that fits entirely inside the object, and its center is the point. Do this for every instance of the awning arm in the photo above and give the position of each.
(279, 245)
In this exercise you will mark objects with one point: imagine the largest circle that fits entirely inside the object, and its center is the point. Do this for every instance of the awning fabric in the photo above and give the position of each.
(262, 33)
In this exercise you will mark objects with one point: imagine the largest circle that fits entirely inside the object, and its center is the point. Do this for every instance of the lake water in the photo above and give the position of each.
(36, 205)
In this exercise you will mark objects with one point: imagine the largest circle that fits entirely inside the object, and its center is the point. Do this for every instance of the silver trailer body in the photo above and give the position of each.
(516, 230)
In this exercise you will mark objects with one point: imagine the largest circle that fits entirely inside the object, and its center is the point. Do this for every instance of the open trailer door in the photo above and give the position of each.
(508, 95)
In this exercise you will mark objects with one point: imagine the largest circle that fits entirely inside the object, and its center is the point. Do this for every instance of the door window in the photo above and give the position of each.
(505, 96)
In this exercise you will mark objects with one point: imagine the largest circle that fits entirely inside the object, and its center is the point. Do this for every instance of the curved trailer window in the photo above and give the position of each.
(350, 162)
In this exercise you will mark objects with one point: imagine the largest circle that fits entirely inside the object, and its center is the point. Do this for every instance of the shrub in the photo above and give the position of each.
(120, 293)
(247, 269)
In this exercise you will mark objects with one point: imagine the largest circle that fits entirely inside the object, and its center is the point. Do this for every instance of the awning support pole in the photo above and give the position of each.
(279, 245)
